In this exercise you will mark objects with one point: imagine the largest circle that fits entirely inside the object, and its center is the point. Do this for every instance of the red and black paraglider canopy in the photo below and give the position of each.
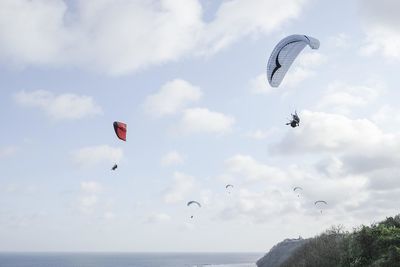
(120, 129)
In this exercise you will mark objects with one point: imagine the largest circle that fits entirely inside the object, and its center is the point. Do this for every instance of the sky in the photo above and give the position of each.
(189, 79)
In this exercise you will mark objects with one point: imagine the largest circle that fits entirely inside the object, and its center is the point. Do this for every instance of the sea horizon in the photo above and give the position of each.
(128, 259)
(135, 252)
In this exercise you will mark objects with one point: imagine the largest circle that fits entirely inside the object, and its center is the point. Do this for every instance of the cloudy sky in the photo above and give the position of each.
(188, 77)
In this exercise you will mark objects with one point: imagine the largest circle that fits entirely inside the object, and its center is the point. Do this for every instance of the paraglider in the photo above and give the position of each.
(120, 129)
(193, 203)
(227, 187)
(319, 203)
(297, 188)
(295, 121)
(284, 54)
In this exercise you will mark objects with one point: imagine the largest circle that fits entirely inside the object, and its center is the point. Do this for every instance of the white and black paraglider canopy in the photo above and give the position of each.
(192, 202)
(284, 54)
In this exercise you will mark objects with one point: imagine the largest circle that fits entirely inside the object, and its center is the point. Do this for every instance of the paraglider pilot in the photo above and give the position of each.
(295, 121)
(114, 167)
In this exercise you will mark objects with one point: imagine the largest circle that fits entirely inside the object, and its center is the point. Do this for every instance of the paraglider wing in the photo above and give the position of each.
(284, 54)
(319, 203)
(193, 203)
(297, 188)
(120, 129)
(114, 167)
(228, 188)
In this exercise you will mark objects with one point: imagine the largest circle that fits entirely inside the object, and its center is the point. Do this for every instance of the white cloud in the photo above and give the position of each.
(258, 206)
(296, 76)
(8, 151)
(359, 144)
(381, 28)
(172, 158)
(383, 41)
(17, 219)
(261, 134)
(87, 202)
(25, 190)
(259, 85)
(350, 163)
(202, 120)
(340, 40)
(239, 18)
(59, 107)
(311, 59)
(89, 196)
(94, 155)
(158, 218)
(32, 32)
(91, 202)
(248, 168)
(91, 187)
(182, 185)
(331, 132)
(387, 116)
(109, 215)
(342, 97)
(386, 113)
(172, 98)
(344, 191)
(100, 35)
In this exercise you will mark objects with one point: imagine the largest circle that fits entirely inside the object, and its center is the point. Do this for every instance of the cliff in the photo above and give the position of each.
(280, 252)
(366, 246)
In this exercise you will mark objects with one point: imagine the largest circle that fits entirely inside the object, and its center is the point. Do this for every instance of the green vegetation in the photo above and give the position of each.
(375, 245)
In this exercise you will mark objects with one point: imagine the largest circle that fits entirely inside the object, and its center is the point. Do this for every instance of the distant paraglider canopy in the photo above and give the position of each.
(120, 129)
(193, 203)
(284, 54)
(296, 189)
(319, 203)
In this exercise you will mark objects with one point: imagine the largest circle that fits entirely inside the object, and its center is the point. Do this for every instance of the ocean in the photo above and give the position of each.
(129, 259)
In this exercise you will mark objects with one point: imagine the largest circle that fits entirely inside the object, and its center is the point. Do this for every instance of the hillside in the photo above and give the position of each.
(374, 245)
(280, 252)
